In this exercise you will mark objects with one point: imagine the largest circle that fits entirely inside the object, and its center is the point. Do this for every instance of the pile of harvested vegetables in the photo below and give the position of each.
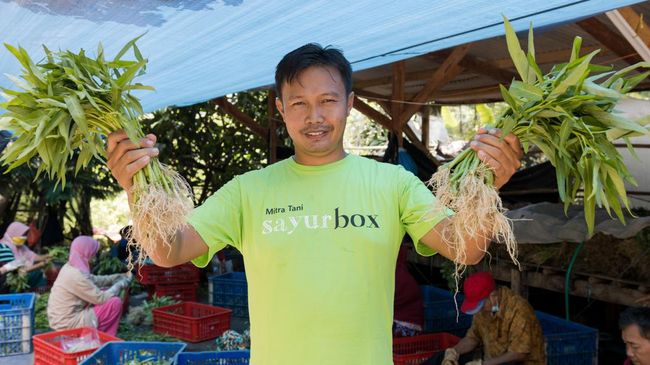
(64, 108)
(569, 114)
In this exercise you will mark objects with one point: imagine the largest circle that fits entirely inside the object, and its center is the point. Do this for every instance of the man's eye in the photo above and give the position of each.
(298, 103)
(329, 101)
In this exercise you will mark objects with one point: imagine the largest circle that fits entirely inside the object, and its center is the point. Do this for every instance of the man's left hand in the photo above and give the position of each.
(501, 155)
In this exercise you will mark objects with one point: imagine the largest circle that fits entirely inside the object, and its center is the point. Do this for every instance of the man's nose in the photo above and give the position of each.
(315, 115)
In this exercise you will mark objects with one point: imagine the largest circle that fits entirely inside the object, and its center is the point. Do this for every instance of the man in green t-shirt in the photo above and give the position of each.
(319, 232)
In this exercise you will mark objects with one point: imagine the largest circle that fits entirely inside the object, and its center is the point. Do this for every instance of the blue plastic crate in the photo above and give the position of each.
(568, 343)
(214, 358)
(120, 353)
(440, 312)
(230, 291)
(16, 323)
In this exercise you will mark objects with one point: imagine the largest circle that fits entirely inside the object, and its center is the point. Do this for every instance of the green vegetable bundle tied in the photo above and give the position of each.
(64, 108)
(569, 114)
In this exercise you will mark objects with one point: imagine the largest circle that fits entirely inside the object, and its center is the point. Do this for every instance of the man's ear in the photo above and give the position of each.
(350, 102)
(494, 297)
(279, 106)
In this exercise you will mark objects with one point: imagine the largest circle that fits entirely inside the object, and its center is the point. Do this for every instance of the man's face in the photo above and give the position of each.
(314, 107)
(637, 346)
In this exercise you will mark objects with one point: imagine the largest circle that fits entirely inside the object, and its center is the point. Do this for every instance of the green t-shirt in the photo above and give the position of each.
(319, 245)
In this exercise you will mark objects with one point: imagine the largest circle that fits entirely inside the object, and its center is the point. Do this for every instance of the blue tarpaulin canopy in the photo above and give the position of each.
(202, 49)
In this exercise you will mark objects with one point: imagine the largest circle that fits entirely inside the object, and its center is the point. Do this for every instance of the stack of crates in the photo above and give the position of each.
(441, 314)
(568, 343)
(16, 324)
(48, 347)
(230, 291)
(190, 321)
(179, 282)
(240, 357)
(127, 353)
(417, 349)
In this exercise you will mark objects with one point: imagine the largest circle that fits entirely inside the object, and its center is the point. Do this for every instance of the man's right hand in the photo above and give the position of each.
(125, 158)
(451, 357)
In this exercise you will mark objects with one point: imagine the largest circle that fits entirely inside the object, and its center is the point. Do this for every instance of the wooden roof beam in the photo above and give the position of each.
(418, 144)
(447, 71)
(386, 122)
(242, 117)
(633, 28)
(614, 42)
(543, 58)
(396, 106)
(381, 100)
(478, 66)
(372, 113)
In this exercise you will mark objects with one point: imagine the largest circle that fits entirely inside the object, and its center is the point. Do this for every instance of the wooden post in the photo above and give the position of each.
(399, 75)
(273, 126)
(518, 282)
(426, 112)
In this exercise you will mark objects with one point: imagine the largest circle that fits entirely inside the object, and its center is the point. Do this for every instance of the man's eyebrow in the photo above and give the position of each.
(333, 93)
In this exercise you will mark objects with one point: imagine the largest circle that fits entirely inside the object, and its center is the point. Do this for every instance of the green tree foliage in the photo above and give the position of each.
(208, 147)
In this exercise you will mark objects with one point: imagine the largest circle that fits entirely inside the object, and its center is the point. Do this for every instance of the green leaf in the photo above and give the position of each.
(126, 47)
(534, 68)
(613, 120)
(630, 147)
(508, 98)
(517, 55)
(632, 82)
(508, 125)
(129, 74)
(574, 77)
(595, 89)
(76, 112)
(525, 91)
(617, 75)
(575, 50)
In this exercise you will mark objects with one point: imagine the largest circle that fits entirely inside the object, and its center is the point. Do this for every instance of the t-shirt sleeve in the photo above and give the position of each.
(219, 221)
(417, 205)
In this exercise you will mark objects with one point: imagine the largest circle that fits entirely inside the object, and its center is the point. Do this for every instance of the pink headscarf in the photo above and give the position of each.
(17, 229)
(83, 249)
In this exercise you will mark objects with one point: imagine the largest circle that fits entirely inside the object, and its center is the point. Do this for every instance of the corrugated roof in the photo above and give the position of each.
(202, 49)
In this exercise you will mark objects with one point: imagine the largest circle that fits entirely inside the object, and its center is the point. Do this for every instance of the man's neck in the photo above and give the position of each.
(319, 160)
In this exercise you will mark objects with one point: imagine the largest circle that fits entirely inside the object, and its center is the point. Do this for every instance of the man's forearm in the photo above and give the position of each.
(508, 357)
(475, 247)
(465, 345)
(186, 245)
(166, 254)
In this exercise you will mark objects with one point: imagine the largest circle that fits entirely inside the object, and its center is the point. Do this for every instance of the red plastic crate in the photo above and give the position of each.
(190, 321)
(415, 350)
(152, 274)
(180, 292)
(48, 351)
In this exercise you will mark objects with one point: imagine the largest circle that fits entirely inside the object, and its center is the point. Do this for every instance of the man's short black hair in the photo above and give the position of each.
(312, 54)
(636, 315)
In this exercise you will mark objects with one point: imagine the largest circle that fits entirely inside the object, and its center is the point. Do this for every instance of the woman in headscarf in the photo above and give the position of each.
(77, 299)
(15, 237)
